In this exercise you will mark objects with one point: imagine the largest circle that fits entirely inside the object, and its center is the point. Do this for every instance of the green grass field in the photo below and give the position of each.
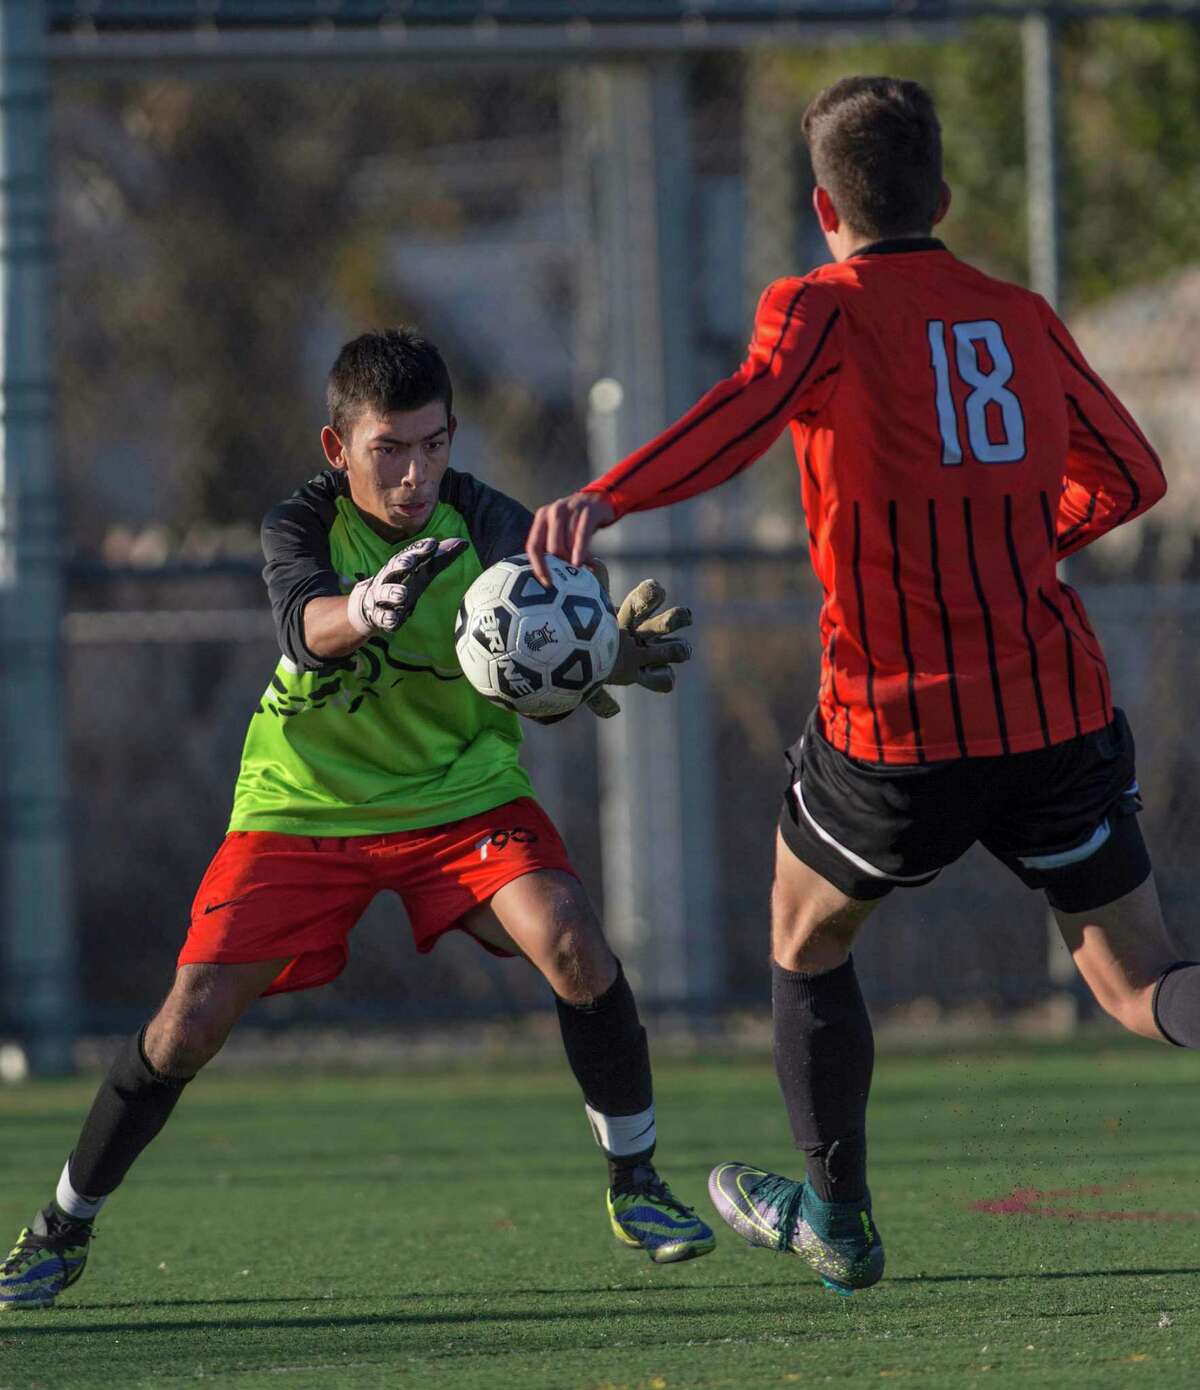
(447, 1230)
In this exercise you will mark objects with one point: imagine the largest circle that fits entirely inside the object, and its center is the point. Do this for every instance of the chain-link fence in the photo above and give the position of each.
(218, 240)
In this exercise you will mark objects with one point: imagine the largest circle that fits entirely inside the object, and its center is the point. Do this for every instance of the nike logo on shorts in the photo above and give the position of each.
(229, 902)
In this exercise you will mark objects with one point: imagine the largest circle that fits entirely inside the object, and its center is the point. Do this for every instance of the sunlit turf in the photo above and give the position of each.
(447, 1229)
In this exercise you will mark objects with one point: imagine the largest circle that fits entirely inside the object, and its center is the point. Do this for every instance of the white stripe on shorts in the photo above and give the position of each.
(1063, 857)
(857, 860)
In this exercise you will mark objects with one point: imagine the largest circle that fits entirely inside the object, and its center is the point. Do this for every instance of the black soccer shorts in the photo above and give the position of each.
(1062, 818)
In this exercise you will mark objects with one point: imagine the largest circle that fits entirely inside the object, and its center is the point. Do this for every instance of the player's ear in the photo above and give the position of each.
(827, 215)
(451, 426)
(332, 445)
(943, 206)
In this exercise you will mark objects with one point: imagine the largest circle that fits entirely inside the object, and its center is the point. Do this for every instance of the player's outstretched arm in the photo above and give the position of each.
(790, 372)
(565, 528)
(334, 627)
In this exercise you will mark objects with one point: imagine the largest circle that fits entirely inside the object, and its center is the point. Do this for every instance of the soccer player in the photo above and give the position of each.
(370, 763)
(953, 445)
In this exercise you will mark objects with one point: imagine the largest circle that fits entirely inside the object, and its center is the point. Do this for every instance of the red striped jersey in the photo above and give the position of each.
(952, 444)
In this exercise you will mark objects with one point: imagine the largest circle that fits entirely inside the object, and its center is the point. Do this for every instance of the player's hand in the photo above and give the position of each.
(565, 528)
(386, 600)
(648, 651)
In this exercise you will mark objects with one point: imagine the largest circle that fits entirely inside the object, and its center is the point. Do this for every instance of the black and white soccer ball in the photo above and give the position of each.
(535, 650)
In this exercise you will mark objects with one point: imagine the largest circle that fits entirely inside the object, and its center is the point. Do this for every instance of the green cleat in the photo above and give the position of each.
(838, 1240)
(48, 1257)
(647, 1216)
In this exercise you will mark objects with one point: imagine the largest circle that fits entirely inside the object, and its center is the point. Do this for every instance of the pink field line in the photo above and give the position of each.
(1029, 1201)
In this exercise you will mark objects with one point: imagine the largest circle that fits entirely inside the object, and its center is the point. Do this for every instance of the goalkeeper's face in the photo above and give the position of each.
(394, 465)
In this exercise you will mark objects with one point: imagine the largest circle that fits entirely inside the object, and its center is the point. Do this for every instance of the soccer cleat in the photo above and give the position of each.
(48, 1257)
(837, 1239)
(647, 1216)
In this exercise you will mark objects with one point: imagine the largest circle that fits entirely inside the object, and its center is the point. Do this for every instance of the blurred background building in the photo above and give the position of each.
(556, 193)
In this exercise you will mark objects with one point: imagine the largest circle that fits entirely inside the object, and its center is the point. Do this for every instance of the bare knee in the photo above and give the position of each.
(812, 936)
(196, 1017)
(813, 923)
(548, 918)
(1132, 1008)
(796, 948)
(180, 1038)
(578, 964)
(1121, 950)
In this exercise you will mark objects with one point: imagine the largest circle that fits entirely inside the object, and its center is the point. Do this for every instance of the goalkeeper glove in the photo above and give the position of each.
(386, 600)
(647, 651)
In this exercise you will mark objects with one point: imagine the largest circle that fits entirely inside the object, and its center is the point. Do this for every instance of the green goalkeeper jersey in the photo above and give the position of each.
(393, 737)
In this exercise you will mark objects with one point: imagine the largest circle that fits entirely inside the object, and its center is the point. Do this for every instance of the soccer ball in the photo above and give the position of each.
(534, 650)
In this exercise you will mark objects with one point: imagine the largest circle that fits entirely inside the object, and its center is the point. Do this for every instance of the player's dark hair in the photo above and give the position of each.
(396, 369)
(876, 147)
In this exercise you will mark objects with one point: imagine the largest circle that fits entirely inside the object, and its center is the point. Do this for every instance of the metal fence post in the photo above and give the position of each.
(37, 928)
(657, 822)
(1042, 146)
(1043, 198)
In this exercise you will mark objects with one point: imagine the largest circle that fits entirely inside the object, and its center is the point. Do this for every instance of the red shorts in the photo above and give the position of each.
(268, 896)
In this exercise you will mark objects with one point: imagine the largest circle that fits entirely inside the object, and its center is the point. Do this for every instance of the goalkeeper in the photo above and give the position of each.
(370, 763)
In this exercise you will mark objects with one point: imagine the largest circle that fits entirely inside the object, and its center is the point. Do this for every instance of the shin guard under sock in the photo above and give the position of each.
(606, 1047)
(1176, 1004)
(824, 1056)
(131, 1106)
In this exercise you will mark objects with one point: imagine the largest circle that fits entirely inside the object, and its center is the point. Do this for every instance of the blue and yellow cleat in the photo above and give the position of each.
(48, 1257)
(838, 1240)
(648, 1216)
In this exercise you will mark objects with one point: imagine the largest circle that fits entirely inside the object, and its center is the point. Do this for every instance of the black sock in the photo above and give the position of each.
(1177, 1004)
(53, 1221)
(631, 1171)
(606, 1047)
(824, 1055)
(131, 1106)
